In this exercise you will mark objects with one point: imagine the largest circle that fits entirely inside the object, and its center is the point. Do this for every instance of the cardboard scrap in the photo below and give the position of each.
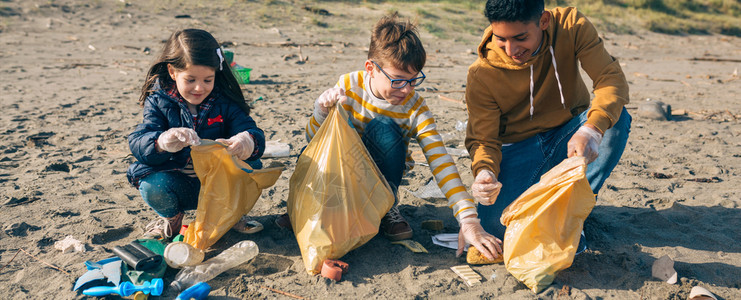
(412, 246)
(469, 276)
(663, 268)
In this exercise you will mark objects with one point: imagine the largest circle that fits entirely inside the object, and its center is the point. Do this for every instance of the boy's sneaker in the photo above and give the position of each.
(163, 227)
(394, 227)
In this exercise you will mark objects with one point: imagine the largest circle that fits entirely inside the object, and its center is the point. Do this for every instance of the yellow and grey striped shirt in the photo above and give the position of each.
(416, 121)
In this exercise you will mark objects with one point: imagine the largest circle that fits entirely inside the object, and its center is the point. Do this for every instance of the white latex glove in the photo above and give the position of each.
(177, 138)
(486, 187)
(585, 142)
(326, 100)
(240, 145)
(474, 234)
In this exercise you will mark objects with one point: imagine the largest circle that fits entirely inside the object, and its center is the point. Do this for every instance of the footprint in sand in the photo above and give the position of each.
(111, 235)
(266, 264)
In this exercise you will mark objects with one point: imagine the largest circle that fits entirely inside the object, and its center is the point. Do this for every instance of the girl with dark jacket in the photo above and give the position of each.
(189, 94)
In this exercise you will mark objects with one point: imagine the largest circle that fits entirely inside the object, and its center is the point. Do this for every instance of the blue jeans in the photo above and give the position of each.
(385, 143)
(173, 192)
(170, 193)
(524, 162)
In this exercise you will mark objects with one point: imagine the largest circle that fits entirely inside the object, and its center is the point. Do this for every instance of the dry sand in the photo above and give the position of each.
(71, 71)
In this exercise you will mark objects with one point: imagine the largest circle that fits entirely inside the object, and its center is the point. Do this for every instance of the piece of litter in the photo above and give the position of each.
(68, 244)
(698, 292)
(88, 277)
(112, 271)
(258, 98)
(276, 149)
(435, 225)
(461, 126)
(108, 268)
(412, 246)
(457, 152)
(493, 276)
(447, 240)
(663, 268)
(419, 158)
(429, 191)
(469, 276)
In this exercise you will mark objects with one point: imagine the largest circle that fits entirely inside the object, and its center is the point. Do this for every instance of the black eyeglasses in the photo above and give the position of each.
(401, 83)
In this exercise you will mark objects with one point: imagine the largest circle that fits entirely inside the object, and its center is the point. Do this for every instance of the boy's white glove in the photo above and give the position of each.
(177, 138)
(326, 100)
(472, 232)
(585, 142)
(486, 187)
(240, 145)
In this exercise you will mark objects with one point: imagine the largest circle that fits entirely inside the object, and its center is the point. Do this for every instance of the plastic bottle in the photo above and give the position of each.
(182, 254)
(239, 253)
(199, 292)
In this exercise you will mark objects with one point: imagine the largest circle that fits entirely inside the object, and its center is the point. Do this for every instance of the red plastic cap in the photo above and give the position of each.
(333, 269)
(183, 229)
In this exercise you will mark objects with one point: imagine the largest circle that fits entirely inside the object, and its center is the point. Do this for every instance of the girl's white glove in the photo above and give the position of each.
(240, 145)
(485, 187)
(326, 100)
(585, 142)
(177, 138)
(474, 234)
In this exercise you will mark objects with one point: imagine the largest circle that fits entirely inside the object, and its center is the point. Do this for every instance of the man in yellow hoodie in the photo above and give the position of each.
(529, 108)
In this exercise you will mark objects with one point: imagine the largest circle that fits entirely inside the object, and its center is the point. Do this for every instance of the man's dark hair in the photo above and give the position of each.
(514, 10)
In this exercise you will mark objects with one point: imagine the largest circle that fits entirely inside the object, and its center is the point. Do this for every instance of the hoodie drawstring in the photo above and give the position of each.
(558, 80)
(532, 108)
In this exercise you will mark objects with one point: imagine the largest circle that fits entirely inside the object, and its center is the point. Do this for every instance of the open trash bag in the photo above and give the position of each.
(229, 189)
(545, 223)
(337, 194)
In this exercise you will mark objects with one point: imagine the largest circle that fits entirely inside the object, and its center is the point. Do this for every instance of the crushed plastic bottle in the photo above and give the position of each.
(239, 253)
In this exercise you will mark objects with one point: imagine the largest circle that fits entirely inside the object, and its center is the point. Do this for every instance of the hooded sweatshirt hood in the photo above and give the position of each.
(498, 58)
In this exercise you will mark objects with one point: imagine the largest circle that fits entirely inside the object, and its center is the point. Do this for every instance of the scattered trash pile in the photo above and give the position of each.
(138, 267)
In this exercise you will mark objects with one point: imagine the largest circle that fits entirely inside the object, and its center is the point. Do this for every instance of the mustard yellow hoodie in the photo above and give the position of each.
(498, 91)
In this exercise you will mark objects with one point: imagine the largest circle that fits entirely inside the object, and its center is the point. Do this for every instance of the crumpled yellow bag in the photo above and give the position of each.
(229, 189)
(337, 194)
(544, 224)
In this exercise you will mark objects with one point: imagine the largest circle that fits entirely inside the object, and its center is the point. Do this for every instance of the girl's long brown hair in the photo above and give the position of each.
(193, 47)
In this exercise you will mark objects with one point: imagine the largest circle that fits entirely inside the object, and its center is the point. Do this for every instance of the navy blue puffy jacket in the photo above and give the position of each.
(223, 119)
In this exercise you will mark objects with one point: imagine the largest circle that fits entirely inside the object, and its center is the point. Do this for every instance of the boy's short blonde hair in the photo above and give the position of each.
(396, 42)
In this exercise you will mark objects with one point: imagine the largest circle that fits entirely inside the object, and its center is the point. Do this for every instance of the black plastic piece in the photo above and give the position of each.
(137, 256)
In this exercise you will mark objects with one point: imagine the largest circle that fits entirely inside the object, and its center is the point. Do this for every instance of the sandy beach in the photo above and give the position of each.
(71, 74)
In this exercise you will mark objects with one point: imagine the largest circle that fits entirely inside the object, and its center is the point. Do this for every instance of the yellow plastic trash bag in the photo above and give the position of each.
(545, 223)
(337, 194)
(229, 189)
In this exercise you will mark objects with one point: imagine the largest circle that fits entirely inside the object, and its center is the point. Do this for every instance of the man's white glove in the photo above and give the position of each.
(240, 145)
(585, 142)
(326, 100)
(177, 138)
(486, 187)
(474, 234)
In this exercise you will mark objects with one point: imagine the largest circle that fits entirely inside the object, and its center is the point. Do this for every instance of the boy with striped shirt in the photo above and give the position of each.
(387, 113)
